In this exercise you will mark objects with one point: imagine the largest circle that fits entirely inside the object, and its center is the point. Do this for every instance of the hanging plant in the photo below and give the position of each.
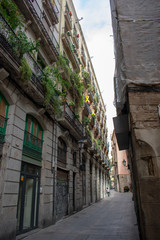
(25, 71)
(22, 44)
(85, 121)
(87, 77)
(63, 66)
(10, 12)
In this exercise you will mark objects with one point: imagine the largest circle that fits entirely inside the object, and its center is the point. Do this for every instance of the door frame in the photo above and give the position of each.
(21, 219)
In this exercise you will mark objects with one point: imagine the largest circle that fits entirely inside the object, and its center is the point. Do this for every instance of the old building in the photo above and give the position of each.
(137, 97)
(121, 173)
(53, 132)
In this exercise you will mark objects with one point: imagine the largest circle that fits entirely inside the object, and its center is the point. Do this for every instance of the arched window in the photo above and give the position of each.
(3, 117)
(62, 150)
(33, 138)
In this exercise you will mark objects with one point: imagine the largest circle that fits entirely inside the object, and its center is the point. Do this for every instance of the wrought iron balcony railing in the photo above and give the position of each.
(86, 108)
(68, 18)
(43, 24)
(87, 137)
(69, 120)
(76, 38)
(72, 52)
(32, 146)
(3, 123)
(6, 34)
(52, 7)
(83, 56)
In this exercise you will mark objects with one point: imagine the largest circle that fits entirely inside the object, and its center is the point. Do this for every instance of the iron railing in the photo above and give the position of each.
(71, 48)
(6, 34)
(41, 21)
(67, 11)
(71, 117)
(83, 56)
(54, 9)
(76, 38)
(87, 107)
(32, 145)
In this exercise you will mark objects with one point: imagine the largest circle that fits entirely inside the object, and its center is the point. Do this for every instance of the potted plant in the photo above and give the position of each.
(71, 104)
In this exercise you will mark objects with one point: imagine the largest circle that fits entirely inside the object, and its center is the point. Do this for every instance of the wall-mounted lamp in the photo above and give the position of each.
(78, 20)
(159, 110)
(81, 144)
(124, 162)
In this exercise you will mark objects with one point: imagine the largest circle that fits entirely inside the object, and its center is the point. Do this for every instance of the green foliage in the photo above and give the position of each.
(85, 121)
(22, 44)
(10, 12)
(96, 98)
(63, 65)
(25, 71)
(90, 133)
(90, 88)
(77, 116)
(50, 83)
(78, 86)
(71, 103)
(86, 76)
(98, 143)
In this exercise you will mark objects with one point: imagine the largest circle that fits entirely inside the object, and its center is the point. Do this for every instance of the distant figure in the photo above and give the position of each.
(108, 191)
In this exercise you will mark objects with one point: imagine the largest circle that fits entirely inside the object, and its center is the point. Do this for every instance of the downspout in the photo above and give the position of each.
(54, 168)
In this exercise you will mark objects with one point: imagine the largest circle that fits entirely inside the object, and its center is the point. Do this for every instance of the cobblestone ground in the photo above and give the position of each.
(110, 219)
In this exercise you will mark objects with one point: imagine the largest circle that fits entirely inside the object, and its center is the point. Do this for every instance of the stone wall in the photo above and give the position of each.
(145, 130)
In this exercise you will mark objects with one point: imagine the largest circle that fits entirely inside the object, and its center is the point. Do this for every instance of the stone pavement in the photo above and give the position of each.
(110, 219)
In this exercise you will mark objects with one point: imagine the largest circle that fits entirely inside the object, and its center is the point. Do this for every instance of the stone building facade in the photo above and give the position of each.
(121, 172)
(53, 159)
(137, 96)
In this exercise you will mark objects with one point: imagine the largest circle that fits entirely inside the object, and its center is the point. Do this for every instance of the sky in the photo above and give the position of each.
(97, 28)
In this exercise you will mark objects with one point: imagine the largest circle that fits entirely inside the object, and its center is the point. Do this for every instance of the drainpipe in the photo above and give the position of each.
(54, 168)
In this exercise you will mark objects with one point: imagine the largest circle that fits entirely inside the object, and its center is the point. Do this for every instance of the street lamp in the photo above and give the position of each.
(124, 162)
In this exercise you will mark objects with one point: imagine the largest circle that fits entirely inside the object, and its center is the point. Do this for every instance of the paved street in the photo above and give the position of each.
(110, 219)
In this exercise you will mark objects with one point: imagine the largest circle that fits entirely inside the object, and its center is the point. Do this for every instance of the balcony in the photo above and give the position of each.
(83, 57)
(91, 97)
(92, 122)
(70, 50)
(40, 26)
(3, 123)
(11, 62)
(32, 146)
(100, 134)
(76, 38)
(98, 115)
(93, 148)
(69, 121)
(96, 128)
(52, 10)
(68, 18)
(98, 155)
(86, 110)
(101, 121)
(87, 137)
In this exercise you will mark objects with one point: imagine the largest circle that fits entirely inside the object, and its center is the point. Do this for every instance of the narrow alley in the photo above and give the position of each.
(110, 219)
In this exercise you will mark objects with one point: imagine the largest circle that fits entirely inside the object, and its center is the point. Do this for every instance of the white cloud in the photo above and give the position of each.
(97, 29)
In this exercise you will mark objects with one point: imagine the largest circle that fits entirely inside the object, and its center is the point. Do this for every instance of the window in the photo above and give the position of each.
(33, 138)
(3, 117)
(74, 159)
(62, 150)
